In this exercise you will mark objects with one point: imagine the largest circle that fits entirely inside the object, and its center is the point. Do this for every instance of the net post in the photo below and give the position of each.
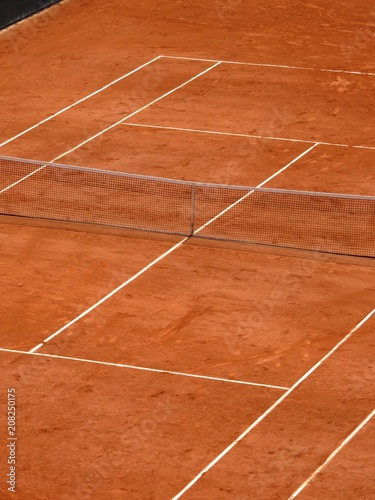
(192, 215)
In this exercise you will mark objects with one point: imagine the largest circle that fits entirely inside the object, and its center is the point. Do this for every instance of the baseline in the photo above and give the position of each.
(264, 65)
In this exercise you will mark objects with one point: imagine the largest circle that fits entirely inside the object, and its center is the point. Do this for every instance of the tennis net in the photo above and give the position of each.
(296, 220)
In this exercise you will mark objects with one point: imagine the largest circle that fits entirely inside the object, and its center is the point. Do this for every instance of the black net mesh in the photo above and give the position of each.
(318, 222)
(64, 193)
(335, 224)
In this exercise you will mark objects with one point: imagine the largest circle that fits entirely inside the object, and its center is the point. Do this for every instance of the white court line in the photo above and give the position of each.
(45, 120)
(272, 407)
(158, 259)
(250, 136)
(333, 454)
(144, 369)
(112, 126)
(263, 65)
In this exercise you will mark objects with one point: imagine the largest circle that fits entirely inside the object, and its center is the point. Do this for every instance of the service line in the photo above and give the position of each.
(147, 369)
(248, 136)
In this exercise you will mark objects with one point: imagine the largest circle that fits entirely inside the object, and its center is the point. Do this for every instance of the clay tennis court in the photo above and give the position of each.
(150, 367)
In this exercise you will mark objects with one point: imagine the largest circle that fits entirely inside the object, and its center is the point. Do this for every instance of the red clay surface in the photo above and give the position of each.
(102, 431)
(274, 462)
(242, 324)
(181, 155)
(330, 169)
(92, 116)
(88, 431)
(51, 276)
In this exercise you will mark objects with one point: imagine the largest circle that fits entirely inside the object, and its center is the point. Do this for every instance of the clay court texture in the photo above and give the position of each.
(152, 367)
